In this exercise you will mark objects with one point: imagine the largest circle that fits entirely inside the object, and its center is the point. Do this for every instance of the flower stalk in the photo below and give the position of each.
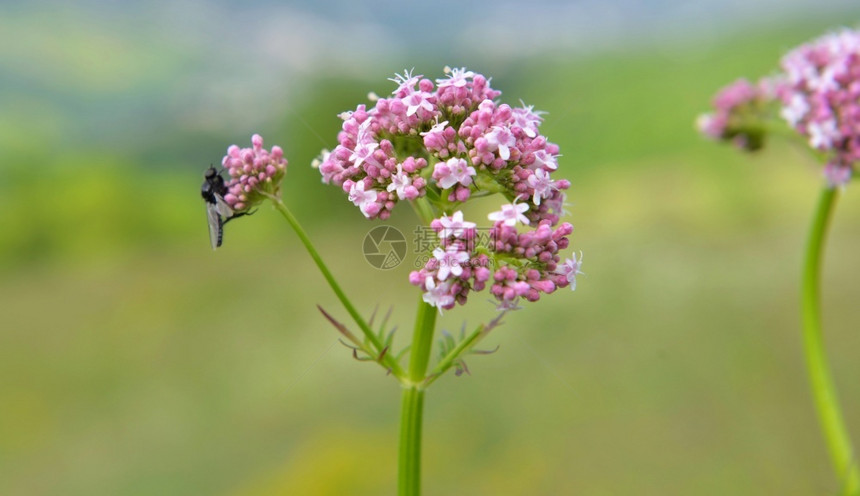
(379, 351)
(412, 405)
(823, 389)
(409, 461)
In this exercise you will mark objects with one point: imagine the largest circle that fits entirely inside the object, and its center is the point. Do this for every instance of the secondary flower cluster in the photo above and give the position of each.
(450, 137)
(253, 172)
(818, 92)
(515, 264)
(740, 111)
(456, 266)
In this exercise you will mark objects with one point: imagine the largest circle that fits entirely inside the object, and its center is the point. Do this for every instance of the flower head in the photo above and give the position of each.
(820, 94)
(440, 142)
(738, 116)
(254, 173)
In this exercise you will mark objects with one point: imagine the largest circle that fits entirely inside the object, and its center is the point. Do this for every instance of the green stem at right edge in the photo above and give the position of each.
(412, 405)
(823, 389)
(387, 358)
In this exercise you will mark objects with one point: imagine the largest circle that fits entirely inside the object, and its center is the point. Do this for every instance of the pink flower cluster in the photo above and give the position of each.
(514, 264)
(450, 136)
(538, 270)
(820, 93)
(253, 171)
(441, 143)
(738, 116)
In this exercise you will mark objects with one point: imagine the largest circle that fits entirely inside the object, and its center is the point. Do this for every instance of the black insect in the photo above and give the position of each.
(218, 212)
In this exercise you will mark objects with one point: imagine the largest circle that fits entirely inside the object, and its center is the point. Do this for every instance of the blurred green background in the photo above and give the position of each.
(136, 361)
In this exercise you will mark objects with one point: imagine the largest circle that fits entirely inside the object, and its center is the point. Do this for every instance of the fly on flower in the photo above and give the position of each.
(218, 212)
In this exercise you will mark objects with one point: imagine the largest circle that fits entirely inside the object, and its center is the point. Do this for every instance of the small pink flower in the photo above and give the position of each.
(437, 296)
(508, 305)
(363, 199)
(511, 213)
(405, 82)
(527, 119)
(501, 139)
(545, 160)
(570, 269)
(438, 127)
(556, 203)
(363, 152)
(450, 261)
(416, 101)
(457, 78)
(400, 182)
(542, 184)
(455, 170)
(454, 225)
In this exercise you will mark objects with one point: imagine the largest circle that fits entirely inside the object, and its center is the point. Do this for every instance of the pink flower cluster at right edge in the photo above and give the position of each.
(448, 142)
(818, 92)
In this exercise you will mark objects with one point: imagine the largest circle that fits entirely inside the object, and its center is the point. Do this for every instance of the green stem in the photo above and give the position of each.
(409, 463)
(422, 341)
(823, 389)
(412, 406)
(387, 360)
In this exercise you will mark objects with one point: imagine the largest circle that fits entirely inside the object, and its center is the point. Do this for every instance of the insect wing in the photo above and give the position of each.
(222, 207)
(216, 225)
